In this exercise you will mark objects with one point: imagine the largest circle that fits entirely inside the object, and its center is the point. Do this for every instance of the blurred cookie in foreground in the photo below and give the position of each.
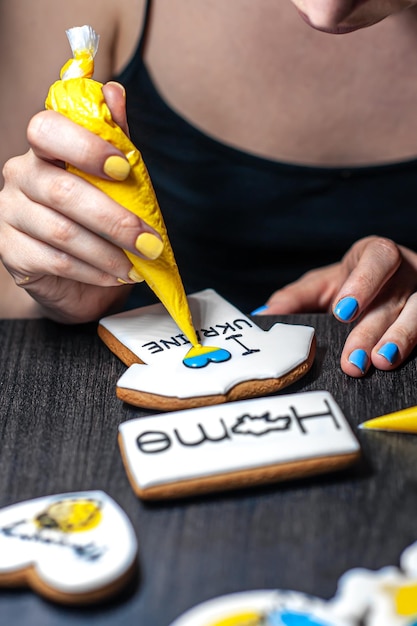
(73, 548)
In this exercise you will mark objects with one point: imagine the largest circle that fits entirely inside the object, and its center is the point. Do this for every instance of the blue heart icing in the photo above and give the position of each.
(201, 360)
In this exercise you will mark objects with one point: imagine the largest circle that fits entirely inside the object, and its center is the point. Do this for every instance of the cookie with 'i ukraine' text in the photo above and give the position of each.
(238, 359)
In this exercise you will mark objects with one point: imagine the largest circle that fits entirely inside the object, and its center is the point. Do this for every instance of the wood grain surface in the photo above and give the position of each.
(59, 416)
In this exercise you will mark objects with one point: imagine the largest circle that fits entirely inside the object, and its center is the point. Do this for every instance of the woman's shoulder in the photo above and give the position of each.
(34, 33)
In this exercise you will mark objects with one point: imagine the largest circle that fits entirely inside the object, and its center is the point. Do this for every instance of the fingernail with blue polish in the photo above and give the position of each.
(346, 308)
(390, 352)
(260, 309)
(359, 358)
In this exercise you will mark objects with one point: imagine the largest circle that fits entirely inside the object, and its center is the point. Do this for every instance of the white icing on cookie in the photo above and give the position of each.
(73, 543)
(151, 334)
(261, 608)
(249, 434)
(387, 597)
(408, 560)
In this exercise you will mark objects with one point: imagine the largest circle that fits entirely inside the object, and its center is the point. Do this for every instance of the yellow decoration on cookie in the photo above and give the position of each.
(80, 98)
(406, 600)
(70, 516)
(200, 356)
(248, 618)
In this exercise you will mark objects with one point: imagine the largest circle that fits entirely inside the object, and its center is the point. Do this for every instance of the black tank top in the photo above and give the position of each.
(246, 225)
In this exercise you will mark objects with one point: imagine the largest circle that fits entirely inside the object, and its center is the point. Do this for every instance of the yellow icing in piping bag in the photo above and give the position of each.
(401, 421)
(80, 98)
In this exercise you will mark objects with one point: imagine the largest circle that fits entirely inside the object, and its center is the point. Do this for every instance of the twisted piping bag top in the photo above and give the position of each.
(80, 98)
(84, 44)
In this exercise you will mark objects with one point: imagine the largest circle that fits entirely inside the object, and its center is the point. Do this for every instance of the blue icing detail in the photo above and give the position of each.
(201, 360)
(278, 618)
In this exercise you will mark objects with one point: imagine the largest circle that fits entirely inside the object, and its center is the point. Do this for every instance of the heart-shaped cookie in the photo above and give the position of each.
(73, 548)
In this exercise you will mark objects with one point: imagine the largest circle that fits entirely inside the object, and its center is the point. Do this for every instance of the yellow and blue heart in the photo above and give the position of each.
(200, 356)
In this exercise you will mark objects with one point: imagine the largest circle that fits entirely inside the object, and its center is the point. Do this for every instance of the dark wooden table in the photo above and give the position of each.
(58, 432)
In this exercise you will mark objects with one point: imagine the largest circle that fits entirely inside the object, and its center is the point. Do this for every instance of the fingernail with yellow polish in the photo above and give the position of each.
(135, 276)
(149, 245)
(116, 167)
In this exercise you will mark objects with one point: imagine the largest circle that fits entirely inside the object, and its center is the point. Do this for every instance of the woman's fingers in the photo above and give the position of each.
(27, 258)
(115, 96)
(386, 333)
(39, 241)
(380, 294)
(375, 285)
(399, 340)
(54, 137)
(62, 238)
(75, 200)
(369, 264)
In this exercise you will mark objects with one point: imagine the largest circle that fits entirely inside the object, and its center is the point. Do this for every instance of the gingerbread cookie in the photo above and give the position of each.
(238, 359)
(74, 548)
(239, 444)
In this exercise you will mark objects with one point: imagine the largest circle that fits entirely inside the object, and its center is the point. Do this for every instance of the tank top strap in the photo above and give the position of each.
(145, 27)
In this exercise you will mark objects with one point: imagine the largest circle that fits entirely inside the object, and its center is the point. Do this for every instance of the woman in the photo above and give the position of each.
(274, 148)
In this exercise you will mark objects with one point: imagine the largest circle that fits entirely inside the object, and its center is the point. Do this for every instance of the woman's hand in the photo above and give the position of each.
(60, 237)
(375, 285)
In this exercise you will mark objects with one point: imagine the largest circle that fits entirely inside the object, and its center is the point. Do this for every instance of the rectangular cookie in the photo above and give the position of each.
(238, 444)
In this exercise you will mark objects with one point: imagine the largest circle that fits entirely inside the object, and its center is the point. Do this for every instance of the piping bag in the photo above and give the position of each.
(80, 98)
